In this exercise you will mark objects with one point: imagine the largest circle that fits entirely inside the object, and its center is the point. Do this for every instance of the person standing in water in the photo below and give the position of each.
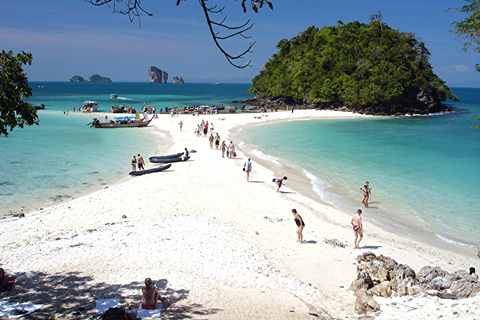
(357, 228)
(141, 162)
(366, 194)
(133, 162)
(300, 225)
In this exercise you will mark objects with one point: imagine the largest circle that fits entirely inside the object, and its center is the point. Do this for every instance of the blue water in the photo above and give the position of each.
(424, 171)
(64, 158)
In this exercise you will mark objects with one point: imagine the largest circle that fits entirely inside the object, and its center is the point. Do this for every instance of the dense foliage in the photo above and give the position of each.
(354, 65)
(14, 90)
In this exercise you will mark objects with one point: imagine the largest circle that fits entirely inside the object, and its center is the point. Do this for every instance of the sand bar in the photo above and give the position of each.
(217, 246)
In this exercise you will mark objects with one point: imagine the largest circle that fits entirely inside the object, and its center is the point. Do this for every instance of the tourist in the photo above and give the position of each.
(150, 295)
(224, 147)
(473, 274)
(181, 125)
(231, 150)
(211, 127)
(217, 141)
(210, 139)
(300, 225)
(133, 162)
(366, 194)
(357, 228)
(279, 182)
(141, 162)
(247, 167)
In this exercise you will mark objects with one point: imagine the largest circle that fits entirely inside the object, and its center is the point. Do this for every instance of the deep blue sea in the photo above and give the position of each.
(424, 171)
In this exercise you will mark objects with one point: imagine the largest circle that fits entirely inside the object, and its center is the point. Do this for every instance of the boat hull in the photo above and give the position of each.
(136, 124)
(156, 169)
(170, 156)
(170, 160)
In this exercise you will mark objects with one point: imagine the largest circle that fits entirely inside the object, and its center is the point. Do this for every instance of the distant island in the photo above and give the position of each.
(93, 78)
(178, 80)
(159, 76)
(365, 68)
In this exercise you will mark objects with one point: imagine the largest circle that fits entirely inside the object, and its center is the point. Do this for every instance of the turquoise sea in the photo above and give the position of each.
(424, 171)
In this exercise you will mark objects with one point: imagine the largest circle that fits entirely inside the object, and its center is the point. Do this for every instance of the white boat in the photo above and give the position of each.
(89, 106)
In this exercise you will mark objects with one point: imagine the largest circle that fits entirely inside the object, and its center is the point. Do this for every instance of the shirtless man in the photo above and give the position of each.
(366, 194)
(141, 162)
(357, 228)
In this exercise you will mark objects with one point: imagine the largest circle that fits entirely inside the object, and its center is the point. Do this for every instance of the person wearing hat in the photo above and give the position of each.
(150, 295)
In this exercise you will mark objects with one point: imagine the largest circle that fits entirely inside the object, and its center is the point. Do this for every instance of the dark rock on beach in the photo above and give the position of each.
(423, 105)
(382, 276)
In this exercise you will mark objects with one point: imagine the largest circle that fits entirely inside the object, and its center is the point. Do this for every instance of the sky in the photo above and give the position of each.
(73, 37)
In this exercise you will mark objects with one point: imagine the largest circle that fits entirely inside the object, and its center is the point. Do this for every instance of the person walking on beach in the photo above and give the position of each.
(247, 167)
(133, 162)
(366, 194)
(181, 125)
(224, 147)
(141, 162)
(300, 225)
(231, 149)
(217, 141)
(279, 182)
(210, 139)
(357, 228)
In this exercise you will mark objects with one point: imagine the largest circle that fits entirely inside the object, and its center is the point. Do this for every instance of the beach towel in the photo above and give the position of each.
(102, 305)
(16, 310)
(150, 313)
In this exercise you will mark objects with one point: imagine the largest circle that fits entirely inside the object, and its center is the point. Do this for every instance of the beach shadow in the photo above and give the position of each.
(253, 181)
(309, 241)
(370, 247)
(287, 192)
(72, 296)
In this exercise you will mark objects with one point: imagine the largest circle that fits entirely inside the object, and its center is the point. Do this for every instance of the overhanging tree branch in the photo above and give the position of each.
(133, 9)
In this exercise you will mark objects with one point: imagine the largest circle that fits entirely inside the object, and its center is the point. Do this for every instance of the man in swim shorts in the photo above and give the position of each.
(357, 228)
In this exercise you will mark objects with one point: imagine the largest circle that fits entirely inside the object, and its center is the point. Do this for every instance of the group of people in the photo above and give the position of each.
(202, 128)
(137, 161)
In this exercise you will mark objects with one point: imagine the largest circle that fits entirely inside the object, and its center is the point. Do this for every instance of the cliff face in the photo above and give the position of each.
(157, 76)
(178, 80)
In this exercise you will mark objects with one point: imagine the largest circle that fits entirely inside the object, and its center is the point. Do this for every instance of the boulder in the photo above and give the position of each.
(365, 303)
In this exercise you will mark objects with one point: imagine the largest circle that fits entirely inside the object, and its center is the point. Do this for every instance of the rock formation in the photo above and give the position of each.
(99, 78)
(157, 76)
(178, 80)
(383, 276)
(77, 78)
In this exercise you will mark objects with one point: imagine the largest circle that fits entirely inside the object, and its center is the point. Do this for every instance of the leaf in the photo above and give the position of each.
(254, 7)
(270, 4)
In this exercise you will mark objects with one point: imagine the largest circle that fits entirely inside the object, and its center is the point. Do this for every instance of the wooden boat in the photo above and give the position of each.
(118, 108)
(228, 110)
(40, 106)
(170, 156)
(156, 169)
(253, 110)
(169, 160)
(133, 123)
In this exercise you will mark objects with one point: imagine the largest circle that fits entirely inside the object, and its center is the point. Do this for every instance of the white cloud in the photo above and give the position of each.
(456, 68)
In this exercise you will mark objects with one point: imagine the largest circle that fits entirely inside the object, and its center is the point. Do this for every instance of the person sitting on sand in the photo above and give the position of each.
(279, 182)
(473, 274)
(150, 295)
(357, 228)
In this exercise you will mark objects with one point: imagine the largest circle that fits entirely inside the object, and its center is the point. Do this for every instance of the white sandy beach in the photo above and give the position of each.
(217, 246)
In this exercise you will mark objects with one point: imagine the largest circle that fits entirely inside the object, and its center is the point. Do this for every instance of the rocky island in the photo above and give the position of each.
(93, 78)
(178, 80)
(363, 68)
(157, 76)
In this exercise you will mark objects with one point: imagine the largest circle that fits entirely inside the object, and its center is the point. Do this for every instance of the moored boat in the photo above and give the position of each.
(40, 106)
(119, 108)
(169, 160)
(127, 123)
(89, 106)
(156, 169)
(170, 156)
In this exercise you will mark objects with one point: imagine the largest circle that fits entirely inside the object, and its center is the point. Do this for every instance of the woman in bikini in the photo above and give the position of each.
(300, 225)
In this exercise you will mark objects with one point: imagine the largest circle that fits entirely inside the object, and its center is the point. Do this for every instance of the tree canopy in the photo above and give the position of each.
(14, 90)
(355, 65)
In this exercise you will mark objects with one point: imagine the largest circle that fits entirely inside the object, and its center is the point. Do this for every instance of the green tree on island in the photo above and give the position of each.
(14, 90)
(361, 66)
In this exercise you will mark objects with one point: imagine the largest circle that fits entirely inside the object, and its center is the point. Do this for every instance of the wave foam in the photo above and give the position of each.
(454, 242)
(264, 156)
(318, 185)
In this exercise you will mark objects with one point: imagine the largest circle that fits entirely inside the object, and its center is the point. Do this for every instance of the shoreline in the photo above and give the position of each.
(299, 181)
(217, 246)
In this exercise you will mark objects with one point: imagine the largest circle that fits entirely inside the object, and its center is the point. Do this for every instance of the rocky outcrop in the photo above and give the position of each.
(478, 248)
(178, 80)
(77, 78)
(99, 78)
(424, 104)
(157, 76)
(382, 276)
